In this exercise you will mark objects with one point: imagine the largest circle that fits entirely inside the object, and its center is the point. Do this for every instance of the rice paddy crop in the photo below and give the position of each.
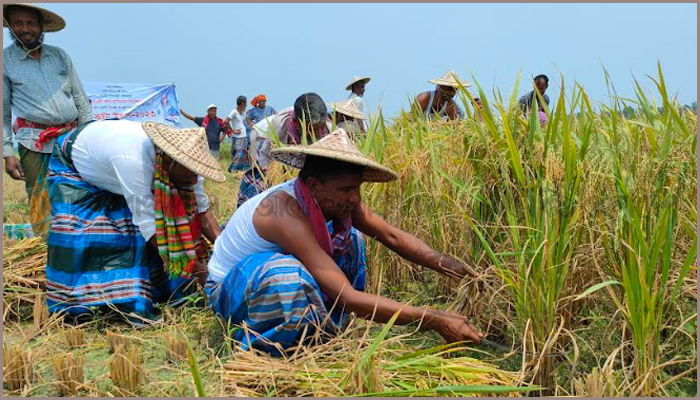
(583, 231)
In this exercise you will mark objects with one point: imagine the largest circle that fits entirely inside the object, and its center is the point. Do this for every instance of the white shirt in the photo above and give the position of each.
(118, 156)
(237, 122)
(358, 101)
(262, 132)
(239, 239)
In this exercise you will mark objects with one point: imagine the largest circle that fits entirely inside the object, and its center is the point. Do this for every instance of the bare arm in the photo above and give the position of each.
(408, 246)
(188, 116)
(280, 220)
(210, 228)
(421, 102)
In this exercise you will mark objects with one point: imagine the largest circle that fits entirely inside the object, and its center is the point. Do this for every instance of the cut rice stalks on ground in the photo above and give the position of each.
(23, 275)
(367, 366)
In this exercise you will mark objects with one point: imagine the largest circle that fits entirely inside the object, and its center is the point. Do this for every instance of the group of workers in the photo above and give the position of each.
(128, 222)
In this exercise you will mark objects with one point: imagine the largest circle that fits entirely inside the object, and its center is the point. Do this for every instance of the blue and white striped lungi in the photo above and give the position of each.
(276, 296)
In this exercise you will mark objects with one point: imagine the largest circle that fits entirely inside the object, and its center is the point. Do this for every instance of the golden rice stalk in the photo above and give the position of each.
(73, 337)
(17, 368)
(115, 339)
(69, 374)
(125, 370)
(175, 348)
(41, 312)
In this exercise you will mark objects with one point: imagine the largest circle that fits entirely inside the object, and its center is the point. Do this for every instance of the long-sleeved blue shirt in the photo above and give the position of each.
(48, 92)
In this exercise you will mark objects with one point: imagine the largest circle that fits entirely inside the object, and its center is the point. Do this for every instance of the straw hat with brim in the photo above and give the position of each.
(337, 146)
(186, 146)
(450, 79)
(356, 79)
(347, 108)
(52, 21)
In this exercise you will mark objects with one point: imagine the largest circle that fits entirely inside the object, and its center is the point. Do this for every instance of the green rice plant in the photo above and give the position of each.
(646, 245)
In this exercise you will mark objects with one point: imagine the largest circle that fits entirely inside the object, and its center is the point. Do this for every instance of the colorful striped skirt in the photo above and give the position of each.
(97, 258)
(240, 161)
(252, 184)
(276, 298)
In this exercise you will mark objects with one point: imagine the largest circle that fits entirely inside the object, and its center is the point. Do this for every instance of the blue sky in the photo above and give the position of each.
(215, 52)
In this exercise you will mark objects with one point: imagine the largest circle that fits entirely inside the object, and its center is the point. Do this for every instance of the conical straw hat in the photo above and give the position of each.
(450, 79)
(337, 146)
(52, 21)
(186, 146)
(356, 79)
(348, 108)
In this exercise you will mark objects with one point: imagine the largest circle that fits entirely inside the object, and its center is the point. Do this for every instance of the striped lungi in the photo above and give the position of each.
(240, 161)
(252, 184)
(97, 258)
(276, 297)
(35, 166)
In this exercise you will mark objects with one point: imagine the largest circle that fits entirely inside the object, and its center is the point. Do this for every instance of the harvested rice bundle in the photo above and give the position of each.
(23, 276)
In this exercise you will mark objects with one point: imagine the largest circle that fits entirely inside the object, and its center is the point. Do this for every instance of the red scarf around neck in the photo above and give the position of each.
(334, 245)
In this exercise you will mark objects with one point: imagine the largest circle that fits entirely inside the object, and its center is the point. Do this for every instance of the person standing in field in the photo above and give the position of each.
(240, 161)
(259, 111)
(541, 83)
(309, 117)
(129, 217)
(357, 93)
(439, 103)
(214, 126)
(292, 259)
(41, 87)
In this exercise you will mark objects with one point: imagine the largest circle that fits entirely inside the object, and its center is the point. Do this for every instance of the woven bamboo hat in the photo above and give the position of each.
(348, 108)
(357, 79)
(186, 146)
(52, 21)
(450, 79)
(337, 146)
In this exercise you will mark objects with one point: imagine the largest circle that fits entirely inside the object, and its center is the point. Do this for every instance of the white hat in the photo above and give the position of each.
(356, 79)
(348, 108)
(52, 21)
(211, 106)
(337, 146)
(450, 79)
(186, 146)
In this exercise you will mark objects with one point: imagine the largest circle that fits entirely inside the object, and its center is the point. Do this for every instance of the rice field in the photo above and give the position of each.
(583, 231)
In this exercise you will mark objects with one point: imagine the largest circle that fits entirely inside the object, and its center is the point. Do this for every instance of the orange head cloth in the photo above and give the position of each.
(258, 98)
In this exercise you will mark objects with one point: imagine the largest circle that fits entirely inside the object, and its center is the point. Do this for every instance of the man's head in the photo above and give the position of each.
(27, 24)
(478, 102)
(359, 88)
(541, 83)
(179, 175)
(334, 184)
(446, 93)
(211, 111)
(241, 102)
(311, 110)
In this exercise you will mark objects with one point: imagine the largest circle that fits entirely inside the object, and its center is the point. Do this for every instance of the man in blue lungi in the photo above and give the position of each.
(293, 257)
